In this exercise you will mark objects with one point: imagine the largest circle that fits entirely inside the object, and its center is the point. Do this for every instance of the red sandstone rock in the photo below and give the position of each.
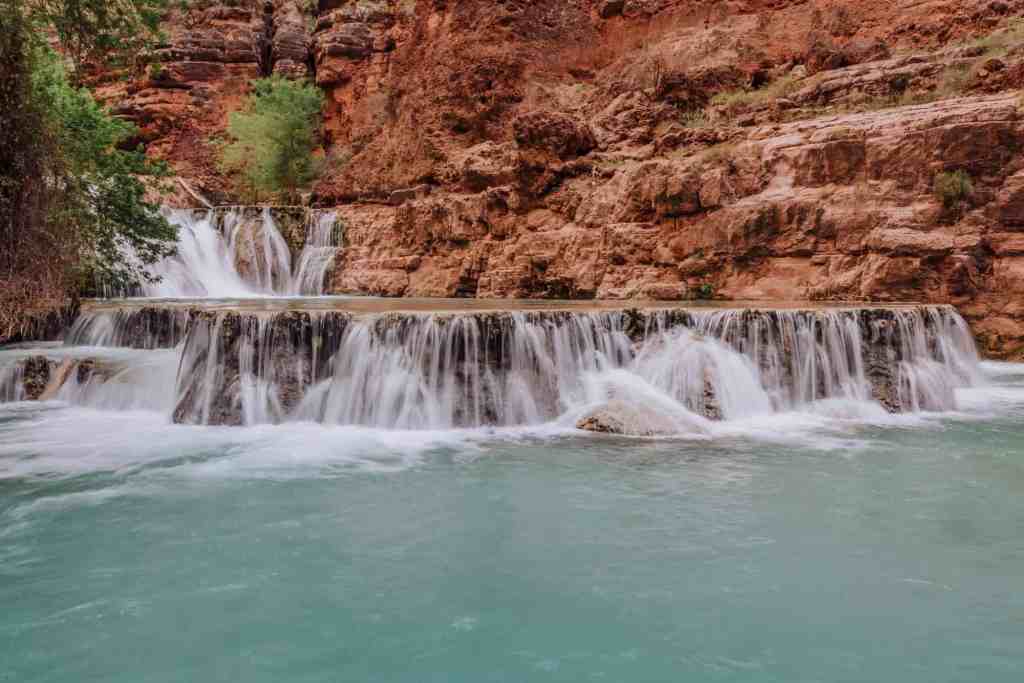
(529, 149)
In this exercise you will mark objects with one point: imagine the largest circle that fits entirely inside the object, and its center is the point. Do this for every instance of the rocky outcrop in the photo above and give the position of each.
(833, 208)
(639, 149)
(291, 42)
(627, 419)
(34, 375)
(351, 47)
(201, 73)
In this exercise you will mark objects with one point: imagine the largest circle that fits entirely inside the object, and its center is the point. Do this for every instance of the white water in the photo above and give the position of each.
(318, 254)
(238, 253)
(444, 372)
(12, 386)
(440, 376)
(204, 264)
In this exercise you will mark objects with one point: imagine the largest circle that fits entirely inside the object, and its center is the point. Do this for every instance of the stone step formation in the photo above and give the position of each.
(676, 367)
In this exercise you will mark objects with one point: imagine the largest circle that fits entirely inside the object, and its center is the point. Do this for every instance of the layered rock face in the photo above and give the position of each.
(761, 149)
(197, 77)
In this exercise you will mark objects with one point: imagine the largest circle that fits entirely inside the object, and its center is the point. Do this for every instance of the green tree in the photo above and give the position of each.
(101, 194)
(73, 199)
(274, 136)
(99, 31)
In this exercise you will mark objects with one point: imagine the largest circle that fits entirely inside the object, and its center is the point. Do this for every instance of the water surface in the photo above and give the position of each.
(818, 545)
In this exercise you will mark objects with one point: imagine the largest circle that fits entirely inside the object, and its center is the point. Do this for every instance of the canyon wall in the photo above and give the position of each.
(667, 149)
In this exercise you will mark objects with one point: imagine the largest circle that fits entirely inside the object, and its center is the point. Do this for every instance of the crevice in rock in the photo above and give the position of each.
(311, 51)
(267, 41)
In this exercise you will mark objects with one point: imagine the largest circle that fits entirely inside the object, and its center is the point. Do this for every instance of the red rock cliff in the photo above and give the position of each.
(575, 148)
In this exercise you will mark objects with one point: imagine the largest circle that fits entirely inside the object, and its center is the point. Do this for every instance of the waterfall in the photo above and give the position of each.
(670, 369)
(12, 382)
(259, 250)
(139, 328)
(237, 253)
(318, 254)
(936, 359)
(135, 383)
(205, 264)
(440, 371)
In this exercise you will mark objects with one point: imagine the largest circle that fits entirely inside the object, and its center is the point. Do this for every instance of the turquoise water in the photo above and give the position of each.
(803, 548)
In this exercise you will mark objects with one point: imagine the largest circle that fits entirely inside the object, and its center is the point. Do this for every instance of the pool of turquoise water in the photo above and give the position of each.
(807, 550)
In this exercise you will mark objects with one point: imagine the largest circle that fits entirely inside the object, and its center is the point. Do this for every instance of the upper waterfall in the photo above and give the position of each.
(238, 252)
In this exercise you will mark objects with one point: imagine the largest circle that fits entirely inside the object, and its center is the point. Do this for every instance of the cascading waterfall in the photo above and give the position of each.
(12, 382)
(801, 358)
(257, 246)
(322, 245)
(938, 355)
(205, 264)
(406, 371)
(238, 252)
(138, 328)
(136, 385)
(430, 372)
(684, 368)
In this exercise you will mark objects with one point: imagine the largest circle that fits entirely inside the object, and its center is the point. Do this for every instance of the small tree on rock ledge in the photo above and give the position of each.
(273, 137)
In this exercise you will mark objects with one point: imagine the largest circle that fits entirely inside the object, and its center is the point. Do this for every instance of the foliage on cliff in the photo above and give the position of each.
(274, 136)
(99, 31)
(101, 196)
(72, 202)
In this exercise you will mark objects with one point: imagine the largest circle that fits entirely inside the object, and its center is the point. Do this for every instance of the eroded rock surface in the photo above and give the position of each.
(750, 149)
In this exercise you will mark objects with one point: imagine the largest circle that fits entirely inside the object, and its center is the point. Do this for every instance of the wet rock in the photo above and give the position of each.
(58, 377)
(620, 417)
(36, 375)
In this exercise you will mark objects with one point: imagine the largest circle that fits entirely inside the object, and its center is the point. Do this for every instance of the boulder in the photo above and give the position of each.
(560, 134)
(620, 417)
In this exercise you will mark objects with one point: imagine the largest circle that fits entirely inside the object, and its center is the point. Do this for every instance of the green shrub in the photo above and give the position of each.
(274, 136)
(953, 188)
(735, 101)
(723, 152)
(93, 32)
(705, 290)
(999, 43)
(954, 81)
(695, 118)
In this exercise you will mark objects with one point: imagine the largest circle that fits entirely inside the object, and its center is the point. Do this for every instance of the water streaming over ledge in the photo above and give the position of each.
(243, 252)
(656, 371)
(596, 543)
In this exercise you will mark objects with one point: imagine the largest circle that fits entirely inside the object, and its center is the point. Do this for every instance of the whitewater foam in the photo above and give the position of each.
(235, 252)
